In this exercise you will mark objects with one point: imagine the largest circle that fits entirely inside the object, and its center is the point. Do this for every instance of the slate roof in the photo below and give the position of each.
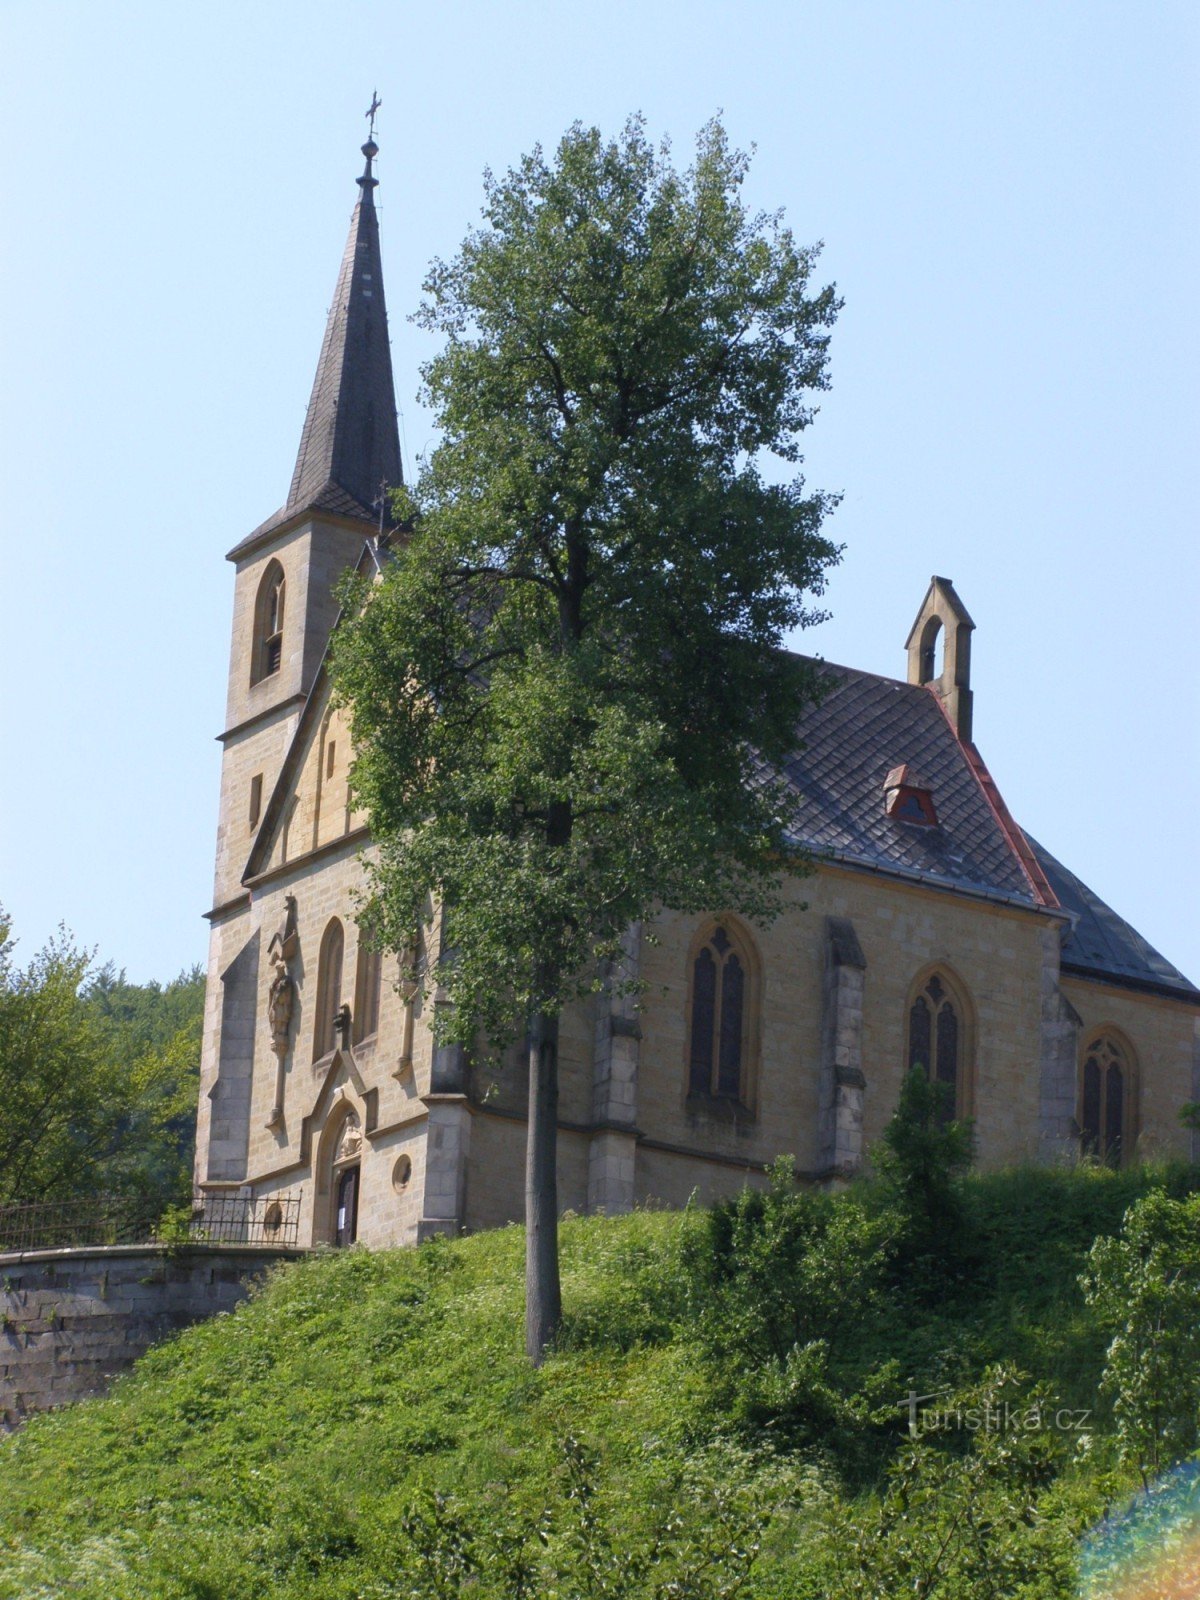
(865, 726)
(350, 443)
(1101, 943)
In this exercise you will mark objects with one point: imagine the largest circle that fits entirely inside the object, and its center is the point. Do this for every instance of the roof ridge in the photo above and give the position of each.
(1016, 840)
(1005, 821)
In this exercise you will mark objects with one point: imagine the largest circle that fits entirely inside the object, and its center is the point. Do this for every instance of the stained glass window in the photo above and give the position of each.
(719, 1020)
(704, 1010)
(935, 1043)
(1103, 1100)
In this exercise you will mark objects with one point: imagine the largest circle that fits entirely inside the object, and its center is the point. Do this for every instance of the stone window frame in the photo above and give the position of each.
(964, 1008)
(266, 653)
(368, 986)
(745, 1103)
(328, 992)
(1120, 1044)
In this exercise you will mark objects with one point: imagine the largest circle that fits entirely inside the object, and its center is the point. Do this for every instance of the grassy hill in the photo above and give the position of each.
(724, 1414)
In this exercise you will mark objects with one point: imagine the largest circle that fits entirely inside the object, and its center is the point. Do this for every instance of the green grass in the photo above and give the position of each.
(277, 1452)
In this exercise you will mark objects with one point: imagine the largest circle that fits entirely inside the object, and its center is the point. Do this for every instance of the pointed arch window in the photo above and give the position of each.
(722, 1016)
(938, 1041)
(267, 655)
(366, 993)
(329, 989)
(1105, 1113)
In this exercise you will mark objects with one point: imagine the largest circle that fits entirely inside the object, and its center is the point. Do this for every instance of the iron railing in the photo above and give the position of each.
(106, 1220)
(244, 1219)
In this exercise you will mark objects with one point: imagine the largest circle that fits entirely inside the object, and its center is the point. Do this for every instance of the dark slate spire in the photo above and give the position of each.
(350, 444)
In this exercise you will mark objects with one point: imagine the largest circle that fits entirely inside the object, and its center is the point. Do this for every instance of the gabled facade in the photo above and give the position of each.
(934, 931)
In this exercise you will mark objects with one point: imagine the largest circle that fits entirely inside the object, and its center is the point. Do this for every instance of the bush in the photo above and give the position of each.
(778, 1279)
(921, 1162)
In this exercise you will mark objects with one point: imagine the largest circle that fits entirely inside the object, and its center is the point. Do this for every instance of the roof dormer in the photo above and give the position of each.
(908, 798)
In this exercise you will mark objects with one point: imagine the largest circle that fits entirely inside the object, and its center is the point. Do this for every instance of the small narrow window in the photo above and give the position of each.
(330, 758)
(267, 654)
(255, 799)
(366, 994)
(329, 989)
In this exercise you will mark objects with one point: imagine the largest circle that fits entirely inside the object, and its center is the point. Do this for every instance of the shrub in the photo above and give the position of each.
(778, 1277)
(921, 1162)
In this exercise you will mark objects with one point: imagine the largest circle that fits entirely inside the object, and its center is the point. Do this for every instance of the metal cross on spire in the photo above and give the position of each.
(376, 102)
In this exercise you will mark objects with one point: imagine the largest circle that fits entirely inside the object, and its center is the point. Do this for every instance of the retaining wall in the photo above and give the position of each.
(70, 1320)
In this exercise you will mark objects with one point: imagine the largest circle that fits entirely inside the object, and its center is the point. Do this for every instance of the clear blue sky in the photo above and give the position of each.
(1007, 194)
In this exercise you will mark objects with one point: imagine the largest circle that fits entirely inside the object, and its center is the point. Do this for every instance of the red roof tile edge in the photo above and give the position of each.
(1017, 842)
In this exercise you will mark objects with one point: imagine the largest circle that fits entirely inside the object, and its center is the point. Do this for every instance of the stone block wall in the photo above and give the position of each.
(71, 1320)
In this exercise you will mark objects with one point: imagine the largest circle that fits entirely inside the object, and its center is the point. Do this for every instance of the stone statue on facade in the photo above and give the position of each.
(281, 999)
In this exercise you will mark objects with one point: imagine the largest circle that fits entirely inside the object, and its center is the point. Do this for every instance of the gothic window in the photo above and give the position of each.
(937, 1041)
(722, 1018)
(1105, 1098)
(268, 624)
(366, 993)
(329, 989)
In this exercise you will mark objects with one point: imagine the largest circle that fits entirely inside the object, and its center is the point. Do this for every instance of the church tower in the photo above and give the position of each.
(284, 604)
(283, 611)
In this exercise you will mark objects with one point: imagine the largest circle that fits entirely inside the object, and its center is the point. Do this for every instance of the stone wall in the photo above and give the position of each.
(70, 1320)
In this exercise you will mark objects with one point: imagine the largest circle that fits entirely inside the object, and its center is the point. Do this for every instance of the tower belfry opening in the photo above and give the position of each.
(943, 628)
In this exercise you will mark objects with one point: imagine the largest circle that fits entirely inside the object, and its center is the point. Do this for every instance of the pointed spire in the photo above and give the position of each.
(350, 445)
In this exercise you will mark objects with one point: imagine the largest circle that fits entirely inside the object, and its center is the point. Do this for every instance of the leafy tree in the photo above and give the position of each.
(568, 691)
(1145, 1288)
(97, 1079)
(153, 1032)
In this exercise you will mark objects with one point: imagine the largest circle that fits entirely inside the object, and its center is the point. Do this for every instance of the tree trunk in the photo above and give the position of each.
(543, 1294)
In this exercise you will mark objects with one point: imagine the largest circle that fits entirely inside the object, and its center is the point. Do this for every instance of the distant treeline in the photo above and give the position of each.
(98, 1078)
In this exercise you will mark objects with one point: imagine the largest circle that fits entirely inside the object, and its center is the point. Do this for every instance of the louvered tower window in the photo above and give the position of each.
(268, 624)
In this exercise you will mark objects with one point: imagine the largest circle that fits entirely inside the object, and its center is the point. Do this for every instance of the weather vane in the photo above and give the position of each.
(376, 102)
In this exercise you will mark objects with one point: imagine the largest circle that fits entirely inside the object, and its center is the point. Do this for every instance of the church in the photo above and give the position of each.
(933, 931)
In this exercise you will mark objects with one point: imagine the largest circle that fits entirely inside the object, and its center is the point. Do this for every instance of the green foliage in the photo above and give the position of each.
(1145, 1286)
(923, 1155)
(98, 1079)
(967, 1523)
(778, 1277)
(694, 1531)
(153, 1033)
(367, 1425)
(921, 1160)
(565, 683)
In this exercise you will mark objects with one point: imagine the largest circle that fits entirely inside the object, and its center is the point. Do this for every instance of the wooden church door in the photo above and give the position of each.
(346, 1218)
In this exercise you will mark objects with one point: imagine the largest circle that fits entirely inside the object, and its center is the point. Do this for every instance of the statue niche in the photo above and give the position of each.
(281, 1000)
